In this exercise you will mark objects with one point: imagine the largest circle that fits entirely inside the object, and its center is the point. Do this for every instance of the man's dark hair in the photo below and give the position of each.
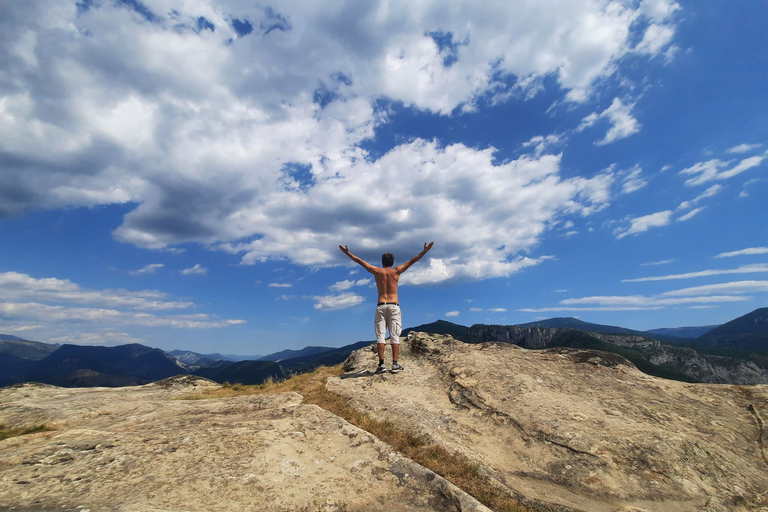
(387, 259)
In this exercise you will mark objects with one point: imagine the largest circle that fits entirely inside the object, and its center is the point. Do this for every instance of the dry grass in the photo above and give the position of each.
(6, 432)
(453, 467)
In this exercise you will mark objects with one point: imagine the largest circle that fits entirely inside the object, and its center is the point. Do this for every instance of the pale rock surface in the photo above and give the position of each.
(567, 429)
(135, 449)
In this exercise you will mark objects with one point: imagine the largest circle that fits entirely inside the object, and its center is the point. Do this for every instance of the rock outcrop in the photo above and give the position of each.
(572, 429)
(137, 449)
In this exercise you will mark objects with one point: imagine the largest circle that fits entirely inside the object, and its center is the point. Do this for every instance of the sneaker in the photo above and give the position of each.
(397, 368)
(381, 369)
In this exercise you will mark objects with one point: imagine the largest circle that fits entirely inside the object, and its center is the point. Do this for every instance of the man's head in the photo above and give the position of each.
(387, 259)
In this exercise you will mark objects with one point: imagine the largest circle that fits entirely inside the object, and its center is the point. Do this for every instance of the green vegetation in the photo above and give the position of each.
(578, 339)
(6, 432)
(760, 358)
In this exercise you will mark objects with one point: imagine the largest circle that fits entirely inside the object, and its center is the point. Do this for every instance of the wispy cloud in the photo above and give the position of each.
(690, 214)
(540, 143)
(52, 305)
(560, 309)
(619, 115)
(106, 338)
(15, 286)
(340, 286)
(744, 148)
(746, 269)
(711, 191)
(744, 252)
(660, 262)
(707, 295)
(737, 287)
(196, 270)
(48, 313)
(339, 301)
(452, 313)
(644, 223)
(633, 181)
(147, 269)
(665, 299)
(713, 170)
(279, 285)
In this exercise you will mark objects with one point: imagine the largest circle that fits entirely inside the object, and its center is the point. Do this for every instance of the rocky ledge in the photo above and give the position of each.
(569, 429)
(137, 449)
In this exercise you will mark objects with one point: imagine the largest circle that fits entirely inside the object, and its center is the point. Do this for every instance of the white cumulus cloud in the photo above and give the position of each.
(251, 142)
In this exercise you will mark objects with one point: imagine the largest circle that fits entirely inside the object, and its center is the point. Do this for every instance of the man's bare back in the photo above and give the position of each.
(387, 277)
(386, 283)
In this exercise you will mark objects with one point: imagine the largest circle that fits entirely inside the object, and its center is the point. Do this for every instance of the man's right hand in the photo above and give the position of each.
(344, 249)
(428, 246)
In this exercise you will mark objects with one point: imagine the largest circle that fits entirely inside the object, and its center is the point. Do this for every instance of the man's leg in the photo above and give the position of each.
(380, 328)
(395, 327)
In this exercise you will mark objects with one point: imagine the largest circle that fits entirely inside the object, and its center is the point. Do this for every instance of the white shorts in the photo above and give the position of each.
(388, 316)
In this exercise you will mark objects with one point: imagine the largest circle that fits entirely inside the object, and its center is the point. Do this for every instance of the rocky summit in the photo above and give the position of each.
(573, 429)
(557, 429)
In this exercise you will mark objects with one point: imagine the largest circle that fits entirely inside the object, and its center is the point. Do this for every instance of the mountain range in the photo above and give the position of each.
(735, 352)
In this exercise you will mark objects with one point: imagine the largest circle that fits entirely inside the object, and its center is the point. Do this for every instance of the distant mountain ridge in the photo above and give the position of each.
(463, 333)
(735, 352)
(10, 337)
(291, 354)
(683, 332)
(75, 365)
(198, 359)
(580, 325)
(72, 365)
(748, 332)
(25, 349)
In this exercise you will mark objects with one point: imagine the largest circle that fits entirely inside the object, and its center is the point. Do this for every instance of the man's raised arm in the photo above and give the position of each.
(402, 268)
(367, 266)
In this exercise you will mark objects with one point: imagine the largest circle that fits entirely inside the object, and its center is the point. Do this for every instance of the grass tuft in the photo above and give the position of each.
(454, 467)
(6, 432)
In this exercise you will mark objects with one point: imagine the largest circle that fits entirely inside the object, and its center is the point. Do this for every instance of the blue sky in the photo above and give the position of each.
(181, 174)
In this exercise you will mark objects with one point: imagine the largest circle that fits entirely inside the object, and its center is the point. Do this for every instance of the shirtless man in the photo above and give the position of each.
(388, 308)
